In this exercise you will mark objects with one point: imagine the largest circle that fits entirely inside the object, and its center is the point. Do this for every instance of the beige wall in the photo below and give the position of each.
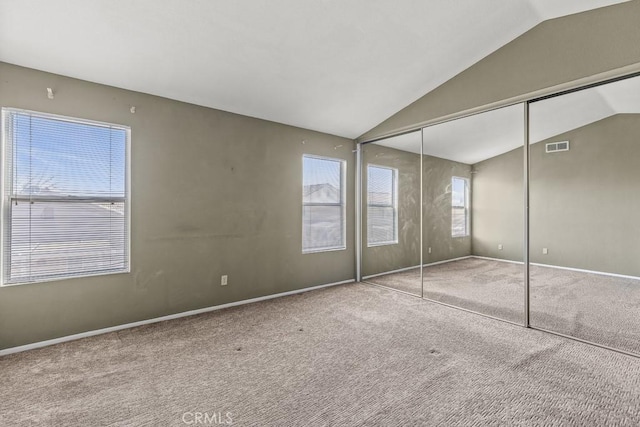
(555, 52)
(583, 203)
(212, 193)
(406, 253)
(497, 201)
(437, 174)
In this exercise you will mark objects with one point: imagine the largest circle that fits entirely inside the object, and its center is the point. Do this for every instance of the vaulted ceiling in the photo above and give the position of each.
(339, 67)
(483, 136)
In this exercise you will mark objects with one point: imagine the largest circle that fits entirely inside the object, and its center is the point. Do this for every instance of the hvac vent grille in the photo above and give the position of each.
(554, 147)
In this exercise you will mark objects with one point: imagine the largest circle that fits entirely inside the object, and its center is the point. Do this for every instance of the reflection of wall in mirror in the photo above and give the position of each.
(437, 177)
(406, 252)
(438, 200)
(583, 203)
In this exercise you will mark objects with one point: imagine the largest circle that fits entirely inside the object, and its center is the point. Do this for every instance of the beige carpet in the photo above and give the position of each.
(593, 307)
(353, 355)
(405, 281)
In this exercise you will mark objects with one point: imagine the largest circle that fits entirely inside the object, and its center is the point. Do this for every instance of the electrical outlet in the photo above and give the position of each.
(500, 247)
(545, 251)
(224, 280)
(429, 250)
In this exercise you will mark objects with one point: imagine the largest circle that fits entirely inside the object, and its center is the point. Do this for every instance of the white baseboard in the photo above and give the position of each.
(400, 270)
(557, 267)
(580, 270)
(497, 259)
(73, 337)
(447, 260)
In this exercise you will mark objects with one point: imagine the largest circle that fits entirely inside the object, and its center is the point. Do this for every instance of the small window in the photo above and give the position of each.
(66, 200)
(459, 207)
(323, 204)
(382, 205)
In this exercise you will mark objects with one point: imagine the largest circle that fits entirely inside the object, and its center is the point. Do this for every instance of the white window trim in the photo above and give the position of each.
(396, 210)
(467, 208)
(343, 203)
(4, 203)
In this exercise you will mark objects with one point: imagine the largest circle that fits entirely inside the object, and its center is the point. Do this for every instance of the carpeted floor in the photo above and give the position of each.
(597, 308)
(352, 355)
(407, 281)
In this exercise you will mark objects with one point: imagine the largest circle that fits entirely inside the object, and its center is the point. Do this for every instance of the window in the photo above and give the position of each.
(66, 199)
(382, 205)
(459, 207)
(323, 206)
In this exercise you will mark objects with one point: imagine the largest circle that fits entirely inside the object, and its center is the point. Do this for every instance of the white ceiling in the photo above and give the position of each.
(558, 115)
(486, 135)
(468, 140)
(339, 67)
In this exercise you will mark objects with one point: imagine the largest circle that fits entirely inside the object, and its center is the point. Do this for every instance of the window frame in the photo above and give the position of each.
(466, 208)
(5, 203)
(394, 205)
(342, 204)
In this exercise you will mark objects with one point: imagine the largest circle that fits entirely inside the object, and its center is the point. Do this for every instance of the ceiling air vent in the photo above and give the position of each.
(553, 147)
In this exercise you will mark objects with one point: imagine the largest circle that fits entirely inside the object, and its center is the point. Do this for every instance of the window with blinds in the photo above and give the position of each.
(459, 207)
(382, 205)
(323, 204)
(65, 204)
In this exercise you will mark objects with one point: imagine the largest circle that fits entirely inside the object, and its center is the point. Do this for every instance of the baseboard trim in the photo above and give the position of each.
(40, 344)
(447, 261)
(497, 259)
(580, 270)
(400, 270)
(557, 267)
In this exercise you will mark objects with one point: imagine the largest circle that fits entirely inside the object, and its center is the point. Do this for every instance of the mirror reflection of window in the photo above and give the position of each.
(459, 207)
(382, 205)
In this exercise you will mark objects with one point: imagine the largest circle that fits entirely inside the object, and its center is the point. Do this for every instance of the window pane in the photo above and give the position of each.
(54, 239)
(321, 181)
(459, 208)
(57, 157)
(458, 221)
(380, 186)
(323, 220)
(65, 199)
(381, 224)
(458, 196)
(322, 227)
(381, 205)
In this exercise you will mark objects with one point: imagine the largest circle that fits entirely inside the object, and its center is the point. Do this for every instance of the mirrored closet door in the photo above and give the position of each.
(473, 213)
(584, 215)
(391, 213)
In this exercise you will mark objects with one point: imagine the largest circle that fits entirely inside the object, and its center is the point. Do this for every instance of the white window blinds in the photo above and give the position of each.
(459, 207)
(65, 198)
(323, 206)
(382, 206)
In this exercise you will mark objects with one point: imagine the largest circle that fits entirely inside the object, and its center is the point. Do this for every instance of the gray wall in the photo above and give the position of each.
(583, 205)
(406, 253)
(437, 174)
(497, 203)
(212, 193)
(555, 52)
